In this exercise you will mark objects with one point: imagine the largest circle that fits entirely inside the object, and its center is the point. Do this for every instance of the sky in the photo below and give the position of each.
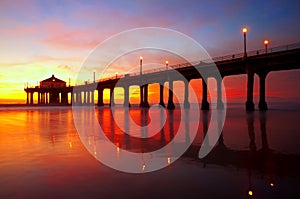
(41, 38)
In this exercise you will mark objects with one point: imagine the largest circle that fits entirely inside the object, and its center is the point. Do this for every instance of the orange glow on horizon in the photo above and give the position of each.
(234, 86)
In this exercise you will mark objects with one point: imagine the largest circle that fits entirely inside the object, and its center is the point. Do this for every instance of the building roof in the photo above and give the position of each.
(53, 79)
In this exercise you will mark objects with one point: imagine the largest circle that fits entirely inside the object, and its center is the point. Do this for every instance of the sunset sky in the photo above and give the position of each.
(41, 38)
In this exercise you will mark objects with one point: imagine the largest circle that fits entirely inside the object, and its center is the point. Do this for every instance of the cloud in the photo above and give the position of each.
(65, 67)
(60, 36)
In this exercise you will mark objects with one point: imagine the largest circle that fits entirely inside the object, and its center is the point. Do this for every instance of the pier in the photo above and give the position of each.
(258, 62)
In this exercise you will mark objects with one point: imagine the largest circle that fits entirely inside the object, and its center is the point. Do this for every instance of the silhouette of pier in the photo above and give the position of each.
(259, 62)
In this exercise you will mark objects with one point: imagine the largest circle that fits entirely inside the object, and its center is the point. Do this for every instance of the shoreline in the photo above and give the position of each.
(289, 106)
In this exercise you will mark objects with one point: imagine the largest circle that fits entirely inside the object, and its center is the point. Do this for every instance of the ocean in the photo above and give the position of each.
(49, 152)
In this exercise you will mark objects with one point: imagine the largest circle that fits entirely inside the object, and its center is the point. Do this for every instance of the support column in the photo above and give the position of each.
(186, 94)
(100, 97)
(27, 98)
(141, 96)
(250, 82)
(46, 96)
(205, 104)
(79, 99)
(220, 104)
(39, 98)
(88, 97)
(31, 98)
(43, 98)
(126, 96)
(170, 100)
(64, 98)
(84, 97)
(161, 95)
(112, 98)
(92, 97)
(262, 105)
(72, 97)
(146, 104)
(76, 98)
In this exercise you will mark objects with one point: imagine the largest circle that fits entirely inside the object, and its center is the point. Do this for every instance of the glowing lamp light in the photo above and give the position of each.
(272, 184)
(266, 42)
(167, 62)
(141, 58)
(143, 167)
(244, 30)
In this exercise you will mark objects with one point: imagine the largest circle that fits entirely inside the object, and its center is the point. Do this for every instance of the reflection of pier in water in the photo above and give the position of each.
(268, 162)
(265, 160)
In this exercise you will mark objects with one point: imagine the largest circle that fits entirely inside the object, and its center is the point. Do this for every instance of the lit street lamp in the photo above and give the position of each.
(167, 64)
(116, 75)
(245, 30)
(141, 63)
(266, 42)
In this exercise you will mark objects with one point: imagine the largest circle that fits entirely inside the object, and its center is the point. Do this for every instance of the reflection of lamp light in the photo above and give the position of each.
(169, 160)
(143, 167)
(95, 150)
(245, 30)
(266, 42)
(250, 193)
(141, 63)
(118, 149)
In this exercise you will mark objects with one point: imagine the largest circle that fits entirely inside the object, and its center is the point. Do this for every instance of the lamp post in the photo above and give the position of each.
(245, 30)
(266, 42)
(116, 75)
(167, 64)
(141, 64)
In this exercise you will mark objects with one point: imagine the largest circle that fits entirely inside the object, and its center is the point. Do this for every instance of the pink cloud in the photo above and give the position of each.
(60, 36)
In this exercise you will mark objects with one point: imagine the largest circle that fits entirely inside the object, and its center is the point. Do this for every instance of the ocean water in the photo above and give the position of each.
(46, 153)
